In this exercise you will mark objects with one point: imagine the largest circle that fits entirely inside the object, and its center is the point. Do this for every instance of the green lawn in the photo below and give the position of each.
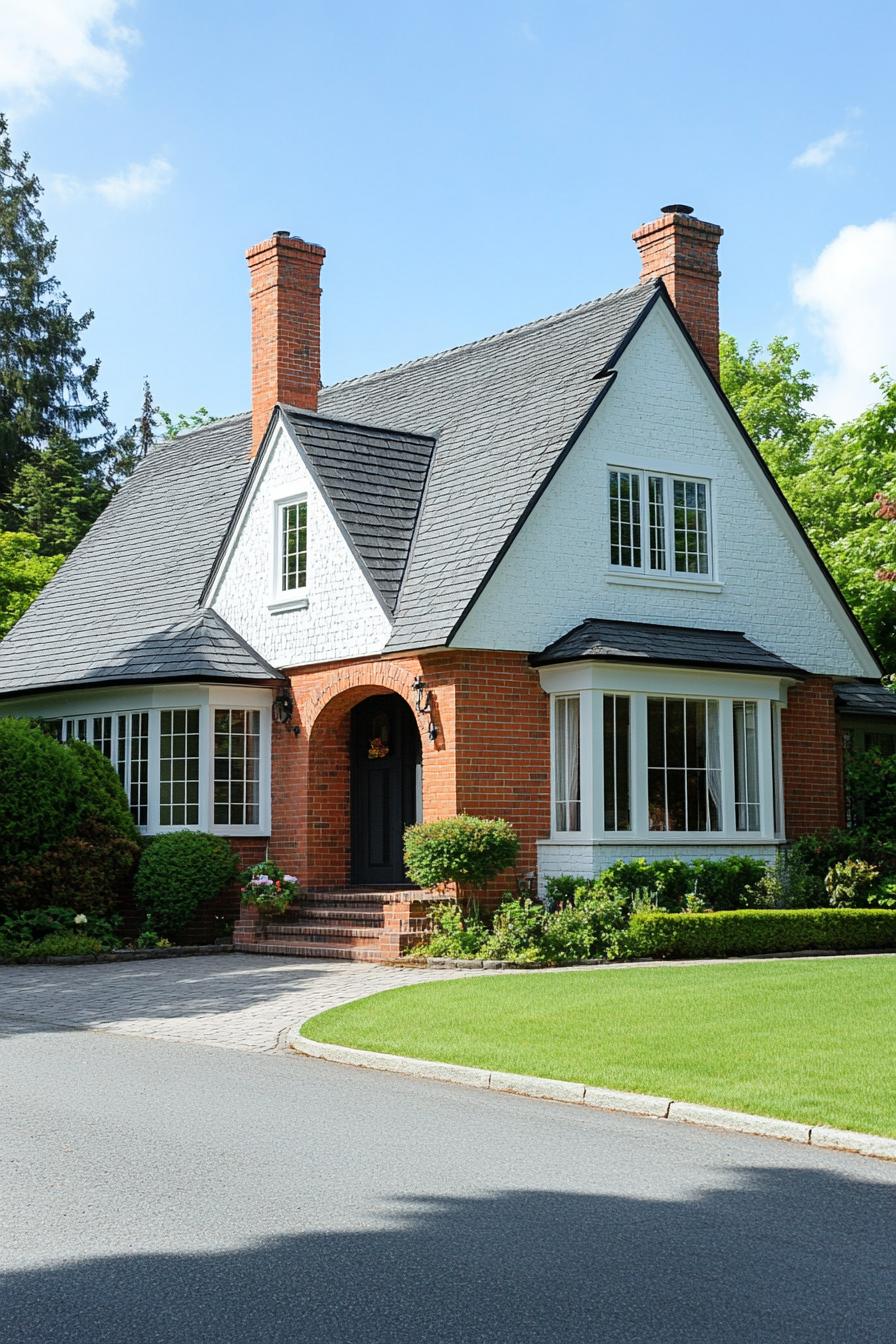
(802, 1040)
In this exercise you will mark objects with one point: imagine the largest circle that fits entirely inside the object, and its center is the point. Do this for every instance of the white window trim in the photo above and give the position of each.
(288, 599)
(153, 700)
(643, 574)
(591, 681)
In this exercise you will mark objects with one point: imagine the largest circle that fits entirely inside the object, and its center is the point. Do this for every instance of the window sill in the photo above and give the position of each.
(287, 604)
(663, 838)
(656, 581)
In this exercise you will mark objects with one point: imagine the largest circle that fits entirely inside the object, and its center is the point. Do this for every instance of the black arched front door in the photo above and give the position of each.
(386, 787)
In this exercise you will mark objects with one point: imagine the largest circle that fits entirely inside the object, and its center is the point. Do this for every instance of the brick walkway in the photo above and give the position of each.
(239, 1002)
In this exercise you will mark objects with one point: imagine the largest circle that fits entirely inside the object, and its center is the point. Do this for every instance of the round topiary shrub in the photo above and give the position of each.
(40, 791)
(177, 873)
(463, 849)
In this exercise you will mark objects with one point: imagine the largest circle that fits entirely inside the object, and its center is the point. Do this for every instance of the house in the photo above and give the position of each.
(545, 576)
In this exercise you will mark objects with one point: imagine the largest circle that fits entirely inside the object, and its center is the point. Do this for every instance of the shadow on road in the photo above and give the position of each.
(787, 1254)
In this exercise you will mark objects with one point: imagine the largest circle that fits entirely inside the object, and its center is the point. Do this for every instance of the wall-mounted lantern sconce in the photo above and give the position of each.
(282, 711)
(423, 705)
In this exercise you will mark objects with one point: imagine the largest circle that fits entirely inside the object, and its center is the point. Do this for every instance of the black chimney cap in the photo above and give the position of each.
(677, 209)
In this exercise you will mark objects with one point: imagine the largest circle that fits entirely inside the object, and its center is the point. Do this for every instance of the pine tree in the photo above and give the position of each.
(133, 445)
(53, 418)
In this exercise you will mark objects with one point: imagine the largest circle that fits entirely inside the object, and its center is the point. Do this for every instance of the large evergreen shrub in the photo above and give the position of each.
(66, 832)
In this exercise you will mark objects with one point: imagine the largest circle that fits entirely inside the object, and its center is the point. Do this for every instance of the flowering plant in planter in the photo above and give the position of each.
(268, 888)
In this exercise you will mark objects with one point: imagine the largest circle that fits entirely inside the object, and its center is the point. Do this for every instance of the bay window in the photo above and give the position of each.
(201, 760)
(659, 524)
(659, 760)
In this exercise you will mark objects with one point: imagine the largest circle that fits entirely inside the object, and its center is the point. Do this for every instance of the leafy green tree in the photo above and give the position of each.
(176, 424)
(773, 396)
(48, 390)
(23, 572)
(829, 473)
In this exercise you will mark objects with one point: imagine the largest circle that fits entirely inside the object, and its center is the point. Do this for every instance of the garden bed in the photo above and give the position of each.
(129, 954)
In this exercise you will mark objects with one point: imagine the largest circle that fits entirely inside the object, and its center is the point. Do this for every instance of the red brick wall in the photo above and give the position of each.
(285, 298)
(683, 252)
(812, 759)
(491, 756)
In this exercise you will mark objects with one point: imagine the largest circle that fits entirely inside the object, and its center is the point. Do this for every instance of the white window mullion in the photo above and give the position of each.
(206, 756)
(638, 765)
(591, 757)
(726, 754)
(152, 790)
(766, 766)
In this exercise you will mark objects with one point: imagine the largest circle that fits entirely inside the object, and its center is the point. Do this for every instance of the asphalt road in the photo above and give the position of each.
(152, 1191)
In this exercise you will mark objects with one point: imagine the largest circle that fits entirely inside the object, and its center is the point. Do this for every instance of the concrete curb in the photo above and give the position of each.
(600, 1098)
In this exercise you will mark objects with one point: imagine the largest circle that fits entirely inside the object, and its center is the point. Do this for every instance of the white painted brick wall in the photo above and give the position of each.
(587, 860)
(662, 412)
(344, 619)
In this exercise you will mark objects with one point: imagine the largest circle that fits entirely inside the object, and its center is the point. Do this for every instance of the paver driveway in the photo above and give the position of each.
(237, 1001)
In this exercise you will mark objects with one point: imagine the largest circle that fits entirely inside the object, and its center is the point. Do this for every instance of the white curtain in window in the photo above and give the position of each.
(566, 763)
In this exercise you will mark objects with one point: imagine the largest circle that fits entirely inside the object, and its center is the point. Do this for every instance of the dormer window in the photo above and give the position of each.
(659, 524)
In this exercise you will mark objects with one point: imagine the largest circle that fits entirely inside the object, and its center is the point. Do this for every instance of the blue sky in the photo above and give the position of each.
(468, 167)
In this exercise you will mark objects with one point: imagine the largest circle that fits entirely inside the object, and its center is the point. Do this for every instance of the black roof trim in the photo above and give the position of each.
(649, 643)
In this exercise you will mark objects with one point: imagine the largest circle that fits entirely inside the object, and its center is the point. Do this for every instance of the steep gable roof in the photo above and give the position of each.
(503, 410)
(125, 605)
(374, 480)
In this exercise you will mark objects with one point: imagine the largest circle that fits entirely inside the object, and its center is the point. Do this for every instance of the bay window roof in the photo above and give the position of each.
(670, 645)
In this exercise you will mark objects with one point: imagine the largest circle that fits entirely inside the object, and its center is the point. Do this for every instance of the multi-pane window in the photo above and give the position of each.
(684, 773)
(691, 527)
(746, 765)
(237, 767)
(293, 546)
(673, 514)
(625, 519)
(179, 767)
(617, 790)
(102, 735)
(567, 773)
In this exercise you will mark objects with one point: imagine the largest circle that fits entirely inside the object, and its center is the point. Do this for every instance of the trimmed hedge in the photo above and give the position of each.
(739, 933)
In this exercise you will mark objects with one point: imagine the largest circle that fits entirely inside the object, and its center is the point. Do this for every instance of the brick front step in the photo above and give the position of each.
(354, 923)
(314, 933)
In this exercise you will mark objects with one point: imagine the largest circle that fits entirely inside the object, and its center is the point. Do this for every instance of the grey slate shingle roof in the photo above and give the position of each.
(124, 607)
(127, 603)
(638, 641)
(856, 697)
(503, 410)
(375, 480)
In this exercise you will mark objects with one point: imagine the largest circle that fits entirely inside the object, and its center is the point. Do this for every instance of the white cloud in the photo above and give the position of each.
(134, 185)
(139, 182)
(819, 154)
(850, 295)
(44, 43)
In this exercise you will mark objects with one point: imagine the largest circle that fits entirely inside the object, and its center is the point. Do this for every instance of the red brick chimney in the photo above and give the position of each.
(684, 252)
(285, 297)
